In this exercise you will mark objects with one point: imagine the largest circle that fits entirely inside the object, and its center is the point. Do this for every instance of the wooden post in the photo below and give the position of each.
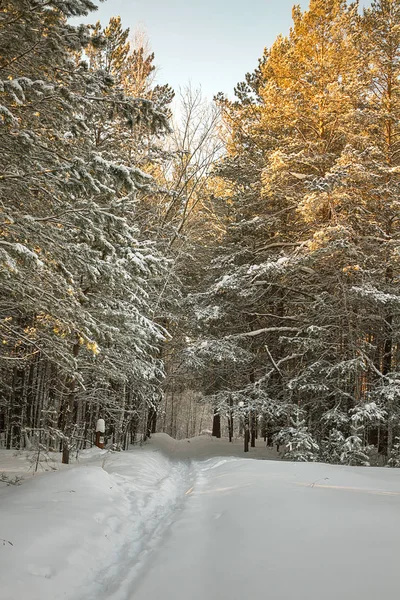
(100, 431)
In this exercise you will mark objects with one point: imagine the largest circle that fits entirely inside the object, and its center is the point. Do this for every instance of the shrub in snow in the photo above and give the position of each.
(354, 452)
(298, 442)
(332, 447)
(394, 460)
(4, 478)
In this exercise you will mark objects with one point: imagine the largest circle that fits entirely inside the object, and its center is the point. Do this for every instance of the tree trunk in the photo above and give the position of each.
(216, 428)
(68, 416)
(230, 420)
(264, 429)
(246, 433)
(386, 368)
(151, 421)
(16, 411)
(253, 429)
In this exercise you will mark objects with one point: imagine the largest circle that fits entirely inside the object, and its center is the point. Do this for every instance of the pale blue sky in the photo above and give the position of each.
(211, 43)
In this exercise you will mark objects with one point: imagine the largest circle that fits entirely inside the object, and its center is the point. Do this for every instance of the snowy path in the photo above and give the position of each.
(83, 532)
(166, 521)
(252, 528)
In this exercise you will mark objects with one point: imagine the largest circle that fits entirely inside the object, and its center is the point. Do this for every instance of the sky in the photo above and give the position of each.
(209, 43)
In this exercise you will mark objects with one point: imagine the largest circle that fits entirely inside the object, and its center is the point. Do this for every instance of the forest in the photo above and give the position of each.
(231, 266)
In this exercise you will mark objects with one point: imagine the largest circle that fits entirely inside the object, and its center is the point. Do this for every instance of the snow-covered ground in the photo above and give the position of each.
(191, 520)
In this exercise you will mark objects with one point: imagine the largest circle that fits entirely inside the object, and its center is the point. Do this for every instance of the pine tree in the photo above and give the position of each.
(77, 273)
(298, 442)
(298, 273)
(394, 459)
(286, 131)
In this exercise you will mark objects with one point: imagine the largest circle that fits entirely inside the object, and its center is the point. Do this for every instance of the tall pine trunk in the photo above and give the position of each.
(230, 419)
(68, 412)
(216, 428)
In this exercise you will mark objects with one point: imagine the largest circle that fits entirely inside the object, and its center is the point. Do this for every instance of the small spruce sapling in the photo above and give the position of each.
(297, 440)
(394, 459)
(332, 447)
(355, 451)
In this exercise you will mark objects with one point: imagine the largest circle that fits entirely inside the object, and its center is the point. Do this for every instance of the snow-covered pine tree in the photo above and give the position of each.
(76, 273)
(356, 450)
(394, 459)
(297, 441)
(272, 273)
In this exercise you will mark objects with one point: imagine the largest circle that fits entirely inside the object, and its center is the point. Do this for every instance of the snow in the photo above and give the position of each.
(189, 520)
(76, 527)
(101, 426)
